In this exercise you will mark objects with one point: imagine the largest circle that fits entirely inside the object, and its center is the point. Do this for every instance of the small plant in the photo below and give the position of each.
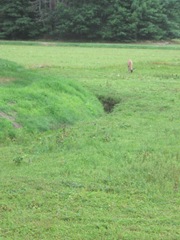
(18, 160)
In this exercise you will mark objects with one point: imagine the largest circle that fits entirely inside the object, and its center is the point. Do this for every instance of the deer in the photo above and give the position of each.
(130, 65)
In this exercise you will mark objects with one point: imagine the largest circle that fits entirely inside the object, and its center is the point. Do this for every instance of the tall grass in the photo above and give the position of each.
(113, 176)
(39, 102)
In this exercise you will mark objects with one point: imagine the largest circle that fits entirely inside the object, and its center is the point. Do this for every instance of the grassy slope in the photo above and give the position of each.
(38, 102)
(116, 177)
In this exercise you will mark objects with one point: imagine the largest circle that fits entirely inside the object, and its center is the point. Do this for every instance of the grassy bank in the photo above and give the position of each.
(113, 176)
(33, 102)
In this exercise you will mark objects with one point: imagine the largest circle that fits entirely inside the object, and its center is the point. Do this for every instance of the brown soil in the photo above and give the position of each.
(11, 119)
(6, 79)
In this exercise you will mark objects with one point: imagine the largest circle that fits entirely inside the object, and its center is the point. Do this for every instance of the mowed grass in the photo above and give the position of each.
(113, 177)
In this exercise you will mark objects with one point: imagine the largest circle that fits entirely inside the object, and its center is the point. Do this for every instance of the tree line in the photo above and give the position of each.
(102, 20)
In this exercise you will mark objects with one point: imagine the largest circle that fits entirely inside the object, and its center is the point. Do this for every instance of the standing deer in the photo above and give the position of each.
(130, 65)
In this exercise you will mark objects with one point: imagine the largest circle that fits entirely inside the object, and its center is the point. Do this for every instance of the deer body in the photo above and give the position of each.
(130, 65)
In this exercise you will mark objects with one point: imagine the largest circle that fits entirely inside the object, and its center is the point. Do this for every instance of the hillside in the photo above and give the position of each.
(35, 102)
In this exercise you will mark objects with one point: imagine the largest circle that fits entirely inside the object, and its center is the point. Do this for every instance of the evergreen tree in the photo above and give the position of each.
(171, 24)
(16, 20)
(150, 18)
(109, 20)
(120, 22)
(78, 20)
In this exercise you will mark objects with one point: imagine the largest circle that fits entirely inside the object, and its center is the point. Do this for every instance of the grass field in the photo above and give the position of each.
(98, 175)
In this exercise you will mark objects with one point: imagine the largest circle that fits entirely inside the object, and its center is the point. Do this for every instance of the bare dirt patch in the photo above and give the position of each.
(40, 66)
(160, 43)
(11, 119)
(164, 63)
(6, 79)
(47, 44)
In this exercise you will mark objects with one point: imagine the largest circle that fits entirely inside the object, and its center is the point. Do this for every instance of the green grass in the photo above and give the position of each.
(113, 176)
(173, 44)
(39, 103)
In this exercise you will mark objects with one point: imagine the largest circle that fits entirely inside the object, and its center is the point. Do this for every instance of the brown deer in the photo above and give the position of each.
(130, 65)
